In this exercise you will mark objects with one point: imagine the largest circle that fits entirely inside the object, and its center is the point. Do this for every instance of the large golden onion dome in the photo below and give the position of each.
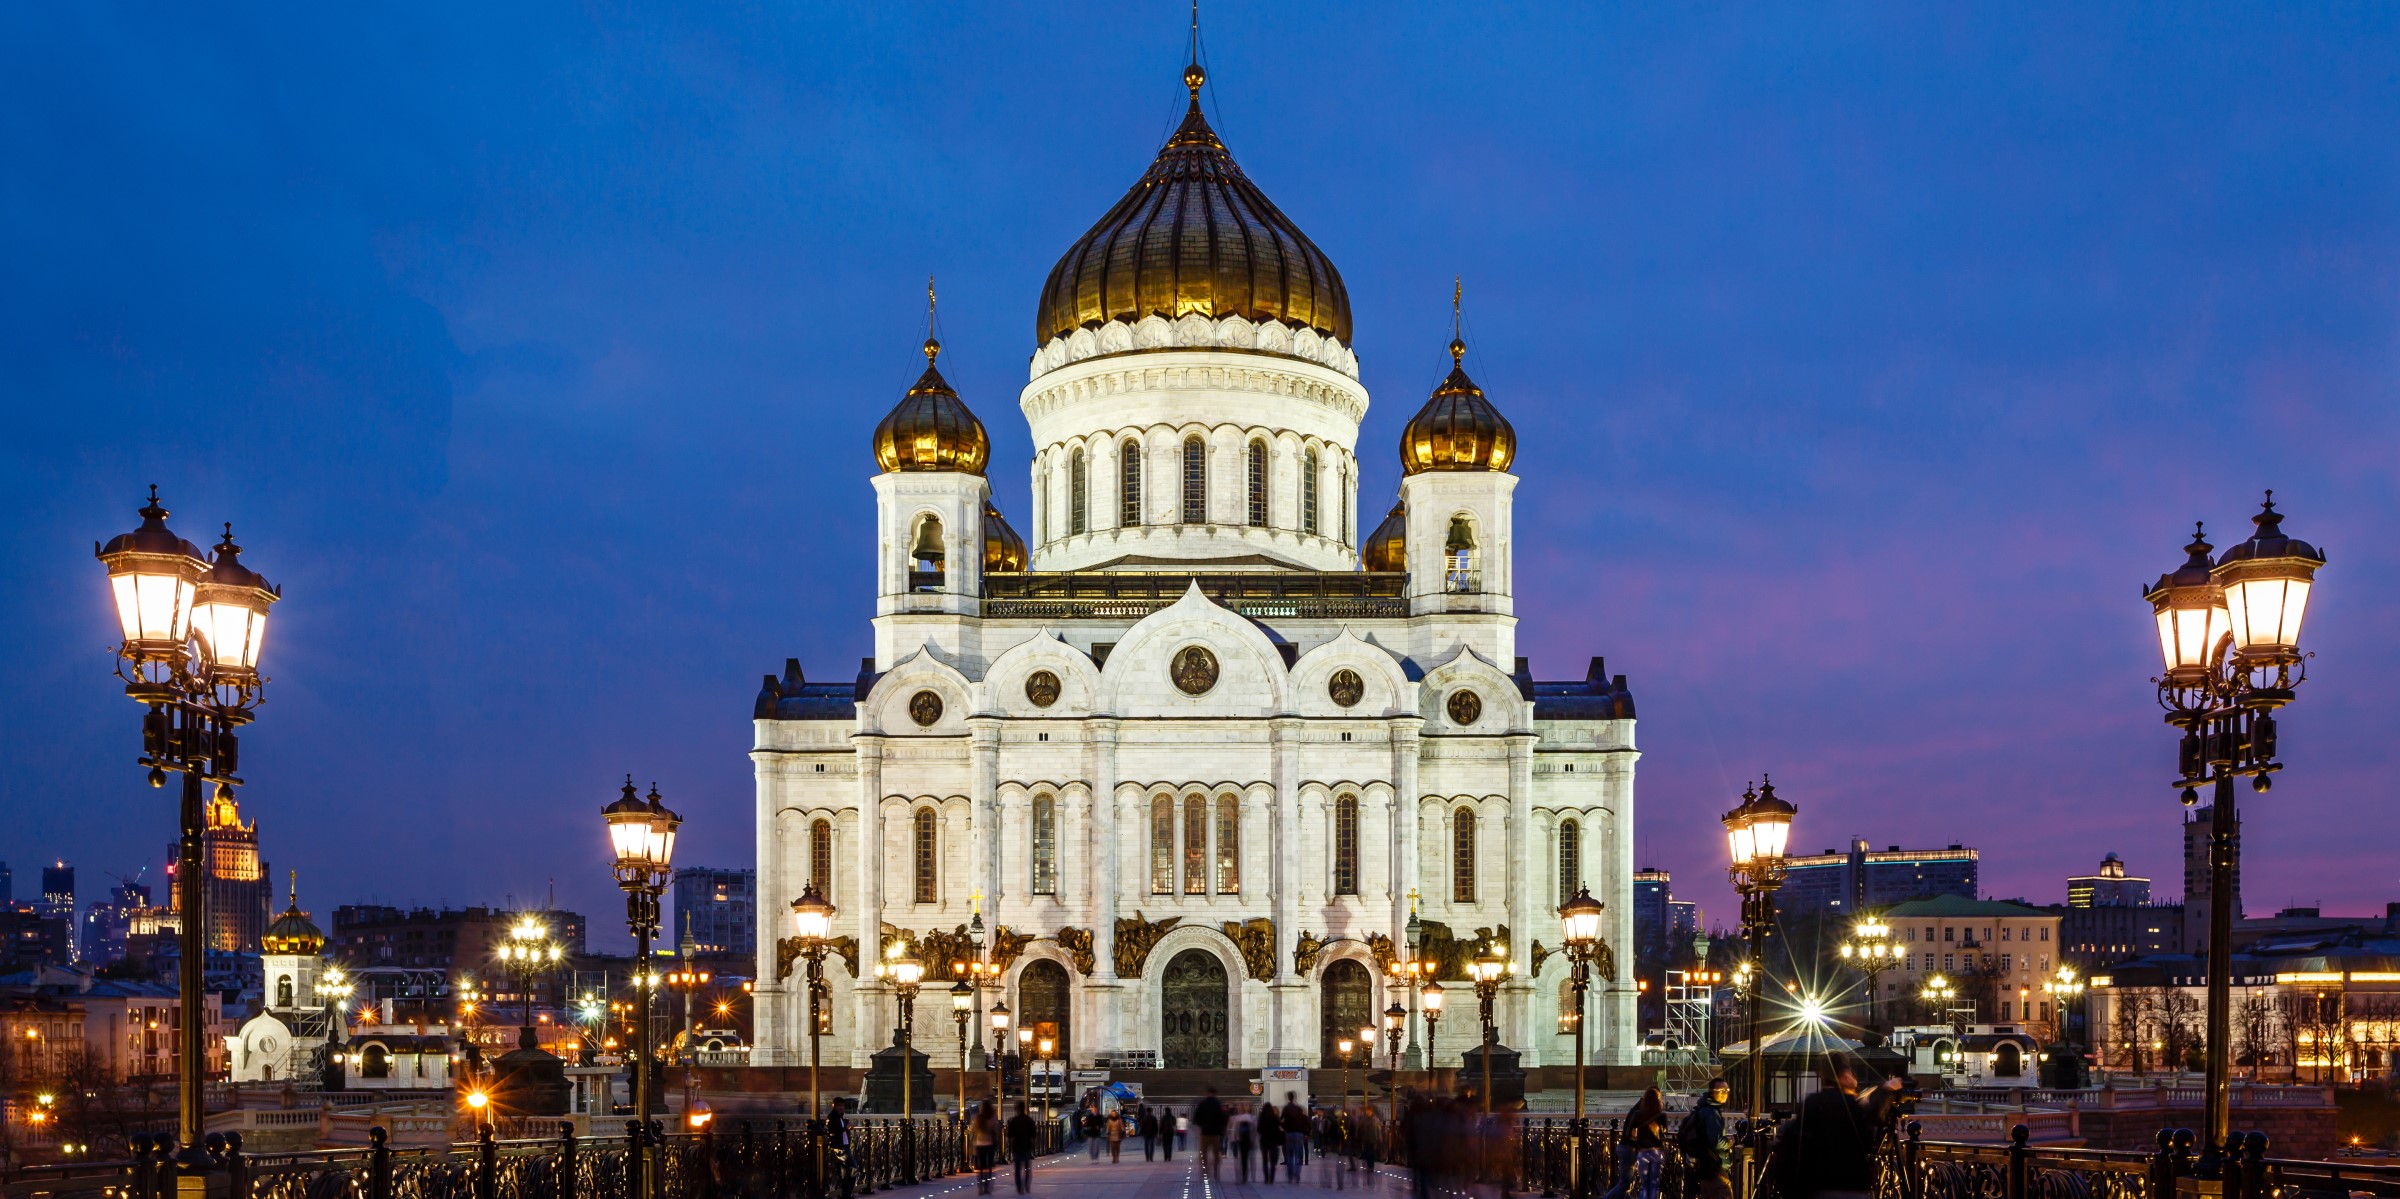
(1457, 429)
(1003, 550)
(931, 428)
(293, 933)
(1386, 549)
(1193, 236)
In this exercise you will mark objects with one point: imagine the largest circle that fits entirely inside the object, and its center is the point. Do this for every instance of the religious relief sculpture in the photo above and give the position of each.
(1041, 687)
(1540, 955)
(1007, 944)
(1256, 939)
(1465, 707)
(1381, 946)
(1078, 944)
(1135, 939)
(925, 707)
(1346, 688)
(1194, 670)
(788, 951)
(943, 952)
(1448, 955)
(847, 947)
(1305, 952)
(1606, 963)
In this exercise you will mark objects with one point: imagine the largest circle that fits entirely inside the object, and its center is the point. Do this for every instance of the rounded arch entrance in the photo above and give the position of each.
(1347, 1005)
(1194, 1012)
(1042, 999)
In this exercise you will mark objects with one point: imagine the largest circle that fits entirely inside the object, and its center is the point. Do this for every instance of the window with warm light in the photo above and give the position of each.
(1345, 845)
(1162, 846)
(1129, 484)
(1195, 481)
(1229, 845)
(1308, 492)
(1570, 859)
(926, 850)
(1462, 857)
(1195, 845)
(1045, 845)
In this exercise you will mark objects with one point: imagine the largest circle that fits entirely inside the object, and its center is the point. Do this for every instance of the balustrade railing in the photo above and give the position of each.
(768, 1159)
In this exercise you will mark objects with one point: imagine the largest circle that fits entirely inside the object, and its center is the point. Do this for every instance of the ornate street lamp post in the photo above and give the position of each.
(2064, 988)
(192, 630)
(1025, 1060)
(962, 1003)
(1049, 1047)
(334, 988)
(1579, 920)
(1433, 1017)
(2230, 637)
(1869, 947)
(1418, 1059)
(905, 972)
(999, 1020)
(1395, 1025)
(978, 975)
(1487, 973)
(1755, 835)
(687, 980)
(812, 920)
(1344, 1046)
(527, 954)
(642, 835)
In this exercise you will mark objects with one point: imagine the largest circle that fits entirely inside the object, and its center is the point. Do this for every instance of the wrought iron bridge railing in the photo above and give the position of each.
(765, 1159)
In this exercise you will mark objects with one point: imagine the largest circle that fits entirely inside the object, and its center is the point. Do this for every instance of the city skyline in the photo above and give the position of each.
(1866, 365)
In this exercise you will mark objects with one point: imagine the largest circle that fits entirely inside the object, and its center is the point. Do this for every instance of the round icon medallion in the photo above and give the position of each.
(925, 707)
(1042, 688)
(1194, 670)
(1465, 706)
(1346, 688)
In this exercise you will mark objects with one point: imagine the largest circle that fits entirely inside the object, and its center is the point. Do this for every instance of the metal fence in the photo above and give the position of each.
(770, 1159)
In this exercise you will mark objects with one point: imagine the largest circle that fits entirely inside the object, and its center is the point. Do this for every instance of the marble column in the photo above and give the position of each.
(983, 823)
(1406, 804)
(1620, 1042)
(1289, 990)
(768, 1006)
(1527, 918)
(1107, 882)
(867, 1003)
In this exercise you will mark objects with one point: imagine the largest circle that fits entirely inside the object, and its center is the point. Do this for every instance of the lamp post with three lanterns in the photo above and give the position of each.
(1870, 948)
(1487, 972)
(1579, 920)
(192, 629)
(641, 834)
(1756, 833)
(2229, 632)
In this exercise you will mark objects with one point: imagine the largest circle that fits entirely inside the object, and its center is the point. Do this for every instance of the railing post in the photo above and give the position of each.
(566, 1159)
(487, 1164)
(379, 1163)
(2254, 1165)
(633, 1160)
(1912, 1158)
(2020, 1161)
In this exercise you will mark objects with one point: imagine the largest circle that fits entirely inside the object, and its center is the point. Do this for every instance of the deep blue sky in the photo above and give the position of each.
(1867, 361)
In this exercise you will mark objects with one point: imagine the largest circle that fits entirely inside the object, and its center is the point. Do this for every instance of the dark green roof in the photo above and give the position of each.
(1960, 905)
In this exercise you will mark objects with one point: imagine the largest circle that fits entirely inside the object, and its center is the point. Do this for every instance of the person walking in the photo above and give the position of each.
(1116, 1133)
(1148, 1126)
(1295, 1137)
(1021, 1134)
(1270, 1139)
(984, 1134)
(1209, 1115)
(1167, 1127)
(1094, 1128)
(1833, 1154)
(1645, 1138)
(1244, 1134)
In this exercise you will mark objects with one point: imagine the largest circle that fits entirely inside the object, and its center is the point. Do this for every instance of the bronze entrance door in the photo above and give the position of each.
(1042, 1005)
(1347, 1006)
(1192, 1009)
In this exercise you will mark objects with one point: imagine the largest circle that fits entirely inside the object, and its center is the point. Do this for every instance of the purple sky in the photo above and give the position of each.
(1867, 362)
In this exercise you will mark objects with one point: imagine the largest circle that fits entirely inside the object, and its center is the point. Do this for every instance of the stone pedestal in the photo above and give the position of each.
(530, 1081)
(883, 1081)
(1508, 1079)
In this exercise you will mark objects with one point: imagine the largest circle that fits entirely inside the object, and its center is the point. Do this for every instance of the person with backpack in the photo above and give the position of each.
(1270, 1139)
(1829, 1152)
(1701, 1137)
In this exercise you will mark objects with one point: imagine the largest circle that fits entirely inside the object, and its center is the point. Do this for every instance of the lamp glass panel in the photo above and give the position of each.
(153, 605)
(630, 838)
(2266, 611)
(1582, 926)
(230, 632)
(1738, 843)
(811, 922)
(1771, 833)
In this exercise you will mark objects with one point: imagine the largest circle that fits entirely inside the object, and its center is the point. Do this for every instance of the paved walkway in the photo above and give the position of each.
(1076, 1176)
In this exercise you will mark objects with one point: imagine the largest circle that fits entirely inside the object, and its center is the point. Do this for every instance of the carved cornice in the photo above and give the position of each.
(1193, 332)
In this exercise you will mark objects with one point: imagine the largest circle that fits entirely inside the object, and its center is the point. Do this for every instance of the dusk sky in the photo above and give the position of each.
(1867, 360)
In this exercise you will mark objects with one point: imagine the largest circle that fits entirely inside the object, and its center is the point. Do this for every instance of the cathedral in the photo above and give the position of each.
(1191, 758)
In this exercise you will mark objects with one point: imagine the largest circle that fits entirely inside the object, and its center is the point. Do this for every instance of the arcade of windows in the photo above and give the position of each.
(1192, 820)
(1193, 506)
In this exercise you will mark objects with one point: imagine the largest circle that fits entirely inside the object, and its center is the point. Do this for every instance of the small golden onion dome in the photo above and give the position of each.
(1003, 550)
(1386, 549)
(931, 428)
(1457, 429)
(1193, 236)
(293, 933)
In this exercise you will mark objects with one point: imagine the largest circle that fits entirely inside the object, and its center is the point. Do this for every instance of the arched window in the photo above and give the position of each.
(1195, 481)
(1458, 550)
(375, 1062)
(1162, 846)
(1045, 845)
(1570, 860)
(1258, 484)
(926, 847)
(925, 555)
(1195, 845)
(1345, 845)
(1462, 857)
(1078, 494)
(820, 857)
(1129, 475)
(1341, 483)
(1229, 845)
(1308, 492)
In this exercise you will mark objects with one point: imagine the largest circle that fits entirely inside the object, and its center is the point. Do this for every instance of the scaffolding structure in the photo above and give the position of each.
(1687, 1053)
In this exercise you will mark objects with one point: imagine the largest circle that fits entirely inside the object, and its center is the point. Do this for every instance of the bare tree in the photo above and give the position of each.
(2175, 1028)
(2129, 1021)
(2257, 1030)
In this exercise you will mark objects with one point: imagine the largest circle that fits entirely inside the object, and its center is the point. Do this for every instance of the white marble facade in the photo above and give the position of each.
(1362, 736)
